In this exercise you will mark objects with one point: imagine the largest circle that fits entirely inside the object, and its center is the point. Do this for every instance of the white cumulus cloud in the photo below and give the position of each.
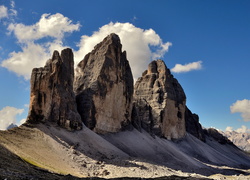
(3, 12)
(8, 13)
(21, 122)
(8, 116)
(12, 10)
(135, 41)
(229, 128)
(55, 26)
(36, 47)
(242, 107)
(22, 63)
(179, 68)
(242, 129)
(34, 54)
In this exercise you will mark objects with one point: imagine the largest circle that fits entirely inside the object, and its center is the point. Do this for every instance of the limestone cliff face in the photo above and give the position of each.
(193, 126)
(159, 102)
(52, 98)
(104, 87)
(216, 135)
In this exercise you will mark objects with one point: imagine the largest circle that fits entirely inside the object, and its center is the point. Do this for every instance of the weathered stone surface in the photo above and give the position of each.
(104, 87)
(240, 139)
(211, 132)
(159, 102)
(142, 117)
(193, 126)
(52, 98)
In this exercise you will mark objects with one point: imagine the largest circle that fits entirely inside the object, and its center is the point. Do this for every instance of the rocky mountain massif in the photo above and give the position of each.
(52, 97)
(241, 140)
(99, 124)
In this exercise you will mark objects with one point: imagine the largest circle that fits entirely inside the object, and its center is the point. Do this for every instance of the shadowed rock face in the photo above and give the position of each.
(193, 126)
(104, 87)
(159, 102)
(211, 132)
(52, 97)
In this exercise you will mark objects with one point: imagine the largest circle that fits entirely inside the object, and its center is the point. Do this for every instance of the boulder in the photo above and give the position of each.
(104, 87)
(52, 97)
(159, 102)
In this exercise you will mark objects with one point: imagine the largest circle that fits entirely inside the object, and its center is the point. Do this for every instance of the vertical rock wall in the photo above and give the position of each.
(104, 94)
(104, 87)
(193, 126)
(52, 97)
(160, 102)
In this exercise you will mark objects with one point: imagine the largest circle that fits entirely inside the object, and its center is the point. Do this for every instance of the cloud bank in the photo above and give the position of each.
(8, 12)
(39, 40)
(136, 41)
(242, 129)
(179, 68)
(54, 26)
(242, 107)
(8, 116)
(3, 12)
(50, 30)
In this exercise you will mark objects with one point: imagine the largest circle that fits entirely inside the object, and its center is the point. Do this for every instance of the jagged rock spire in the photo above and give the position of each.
(160, 102)
(52, 98)
(104, 87)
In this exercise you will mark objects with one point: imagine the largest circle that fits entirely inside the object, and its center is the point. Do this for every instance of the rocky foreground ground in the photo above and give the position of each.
(40, 154)
(12, 167)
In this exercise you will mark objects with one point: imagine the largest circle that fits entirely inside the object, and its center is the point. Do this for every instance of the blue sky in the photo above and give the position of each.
(209, 39)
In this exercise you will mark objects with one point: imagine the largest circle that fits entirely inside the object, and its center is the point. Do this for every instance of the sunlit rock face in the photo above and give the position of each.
(159, 102)
(52, 98)
(104, 87)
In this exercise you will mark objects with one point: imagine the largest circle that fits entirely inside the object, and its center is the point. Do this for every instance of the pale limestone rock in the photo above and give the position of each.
(52, 98)
(164, 100)
(104, 87)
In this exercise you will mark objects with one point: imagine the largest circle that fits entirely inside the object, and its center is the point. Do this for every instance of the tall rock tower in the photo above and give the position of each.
(104, 87)
(159, 102)
(52, 98)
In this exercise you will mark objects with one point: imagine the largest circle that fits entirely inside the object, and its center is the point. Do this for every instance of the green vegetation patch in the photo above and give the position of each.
(43, 167)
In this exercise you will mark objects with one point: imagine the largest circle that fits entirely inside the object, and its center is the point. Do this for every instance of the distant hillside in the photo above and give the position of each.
(242, 140)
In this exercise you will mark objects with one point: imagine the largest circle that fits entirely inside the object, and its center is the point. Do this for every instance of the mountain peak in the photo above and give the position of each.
(164, 100)
(52, 98)
(104, 87)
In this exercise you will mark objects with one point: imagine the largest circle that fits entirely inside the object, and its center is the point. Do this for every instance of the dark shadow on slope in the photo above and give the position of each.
(13, 167)
(88, 147)
(171, 154)
(174, 156)
(134, 145)
(214, 153)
